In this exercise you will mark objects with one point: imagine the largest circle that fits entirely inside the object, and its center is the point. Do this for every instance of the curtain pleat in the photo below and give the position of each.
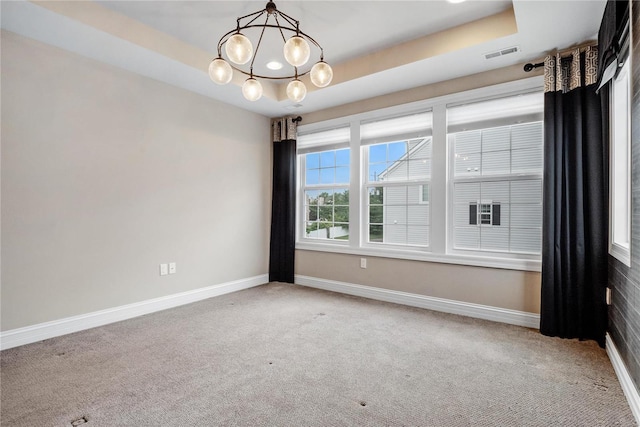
(283, 205)
(575, 209)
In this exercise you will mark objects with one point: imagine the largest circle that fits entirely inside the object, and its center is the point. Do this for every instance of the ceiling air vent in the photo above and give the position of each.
(501, 52)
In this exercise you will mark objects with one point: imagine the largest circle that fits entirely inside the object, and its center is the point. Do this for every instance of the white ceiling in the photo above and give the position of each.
(173, 41)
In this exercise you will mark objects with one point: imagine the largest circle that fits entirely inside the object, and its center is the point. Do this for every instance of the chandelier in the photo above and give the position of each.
(239, 51)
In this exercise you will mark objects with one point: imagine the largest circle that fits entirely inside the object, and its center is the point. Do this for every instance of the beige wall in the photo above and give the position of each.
(461, 84)
(106, 174)
(510, 289)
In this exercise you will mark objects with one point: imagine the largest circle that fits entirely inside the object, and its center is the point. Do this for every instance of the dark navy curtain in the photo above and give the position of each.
(575, 201)
(283, 204)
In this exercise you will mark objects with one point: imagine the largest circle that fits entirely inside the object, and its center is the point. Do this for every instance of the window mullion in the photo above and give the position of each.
(301, 223)
(438, 184)
(355, 180)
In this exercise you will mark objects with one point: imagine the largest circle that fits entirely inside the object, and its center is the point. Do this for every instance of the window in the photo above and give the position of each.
(497, 175)
(397, 179)
(485, 213)
(396, 185)
(325, 189)
(619, 234)
(455, 179)
(424, 194)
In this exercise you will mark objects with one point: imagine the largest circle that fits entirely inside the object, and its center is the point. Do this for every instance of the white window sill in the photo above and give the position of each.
(621, 253)
(416, 255)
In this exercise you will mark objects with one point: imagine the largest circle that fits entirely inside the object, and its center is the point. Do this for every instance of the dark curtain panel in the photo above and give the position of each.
(575, 204)
(612, 35)
(283, 205)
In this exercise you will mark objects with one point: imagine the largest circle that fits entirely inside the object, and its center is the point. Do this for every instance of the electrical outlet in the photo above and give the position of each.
(172, 268)
(363, 263)
(164, 269)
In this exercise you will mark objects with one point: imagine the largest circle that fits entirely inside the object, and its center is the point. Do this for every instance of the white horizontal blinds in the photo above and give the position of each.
(522, 108)
(411, 126)
(324, 140)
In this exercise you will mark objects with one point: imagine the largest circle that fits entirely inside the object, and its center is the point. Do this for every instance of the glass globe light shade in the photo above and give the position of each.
(297, 51)
(296, 90)
(252, 89)
(239, 49)
(321, 74)
(220, 71)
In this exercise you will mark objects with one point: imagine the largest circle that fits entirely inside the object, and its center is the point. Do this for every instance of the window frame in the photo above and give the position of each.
(525, 256)
(439, 188)
(301, 223)
(368, 184)
(620, 157)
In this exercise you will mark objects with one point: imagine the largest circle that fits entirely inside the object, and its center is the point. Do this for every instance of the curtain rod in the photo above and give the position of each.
(581, 46)
(294, 119)
(530, 66)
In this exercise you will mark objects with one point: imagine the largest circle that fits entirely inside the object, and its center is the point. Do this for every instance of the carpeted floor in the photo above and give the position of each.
(285, 355)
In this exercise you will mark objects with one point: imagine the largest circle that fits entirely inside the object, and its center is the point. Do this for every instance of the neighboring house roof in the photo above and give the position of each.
(418, 146)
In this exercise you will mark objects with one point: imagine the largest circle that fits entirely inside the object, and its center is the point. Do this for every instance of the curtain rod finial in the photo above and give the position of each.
(528, 67)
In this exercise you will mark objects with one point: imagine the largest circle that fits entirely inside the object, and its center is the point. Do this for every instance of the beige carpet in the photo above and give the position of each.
(284, 355)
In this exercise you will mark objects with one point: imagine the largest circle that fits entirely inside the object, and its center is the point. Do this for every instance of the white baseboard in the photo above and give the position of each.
(42, 331)
(496, 314)
(626, 382)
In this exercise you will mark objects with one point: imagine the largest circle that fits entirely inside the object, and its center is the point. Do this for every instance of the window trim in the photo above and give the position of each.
(620, 250)
(482, 178)
(366, 184)
(300, 204)
(440, 223)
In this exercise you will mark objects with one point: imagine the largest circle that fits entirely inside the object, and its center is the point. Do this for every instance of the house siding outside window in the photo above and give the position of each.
(398, 210)
(498, 174)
